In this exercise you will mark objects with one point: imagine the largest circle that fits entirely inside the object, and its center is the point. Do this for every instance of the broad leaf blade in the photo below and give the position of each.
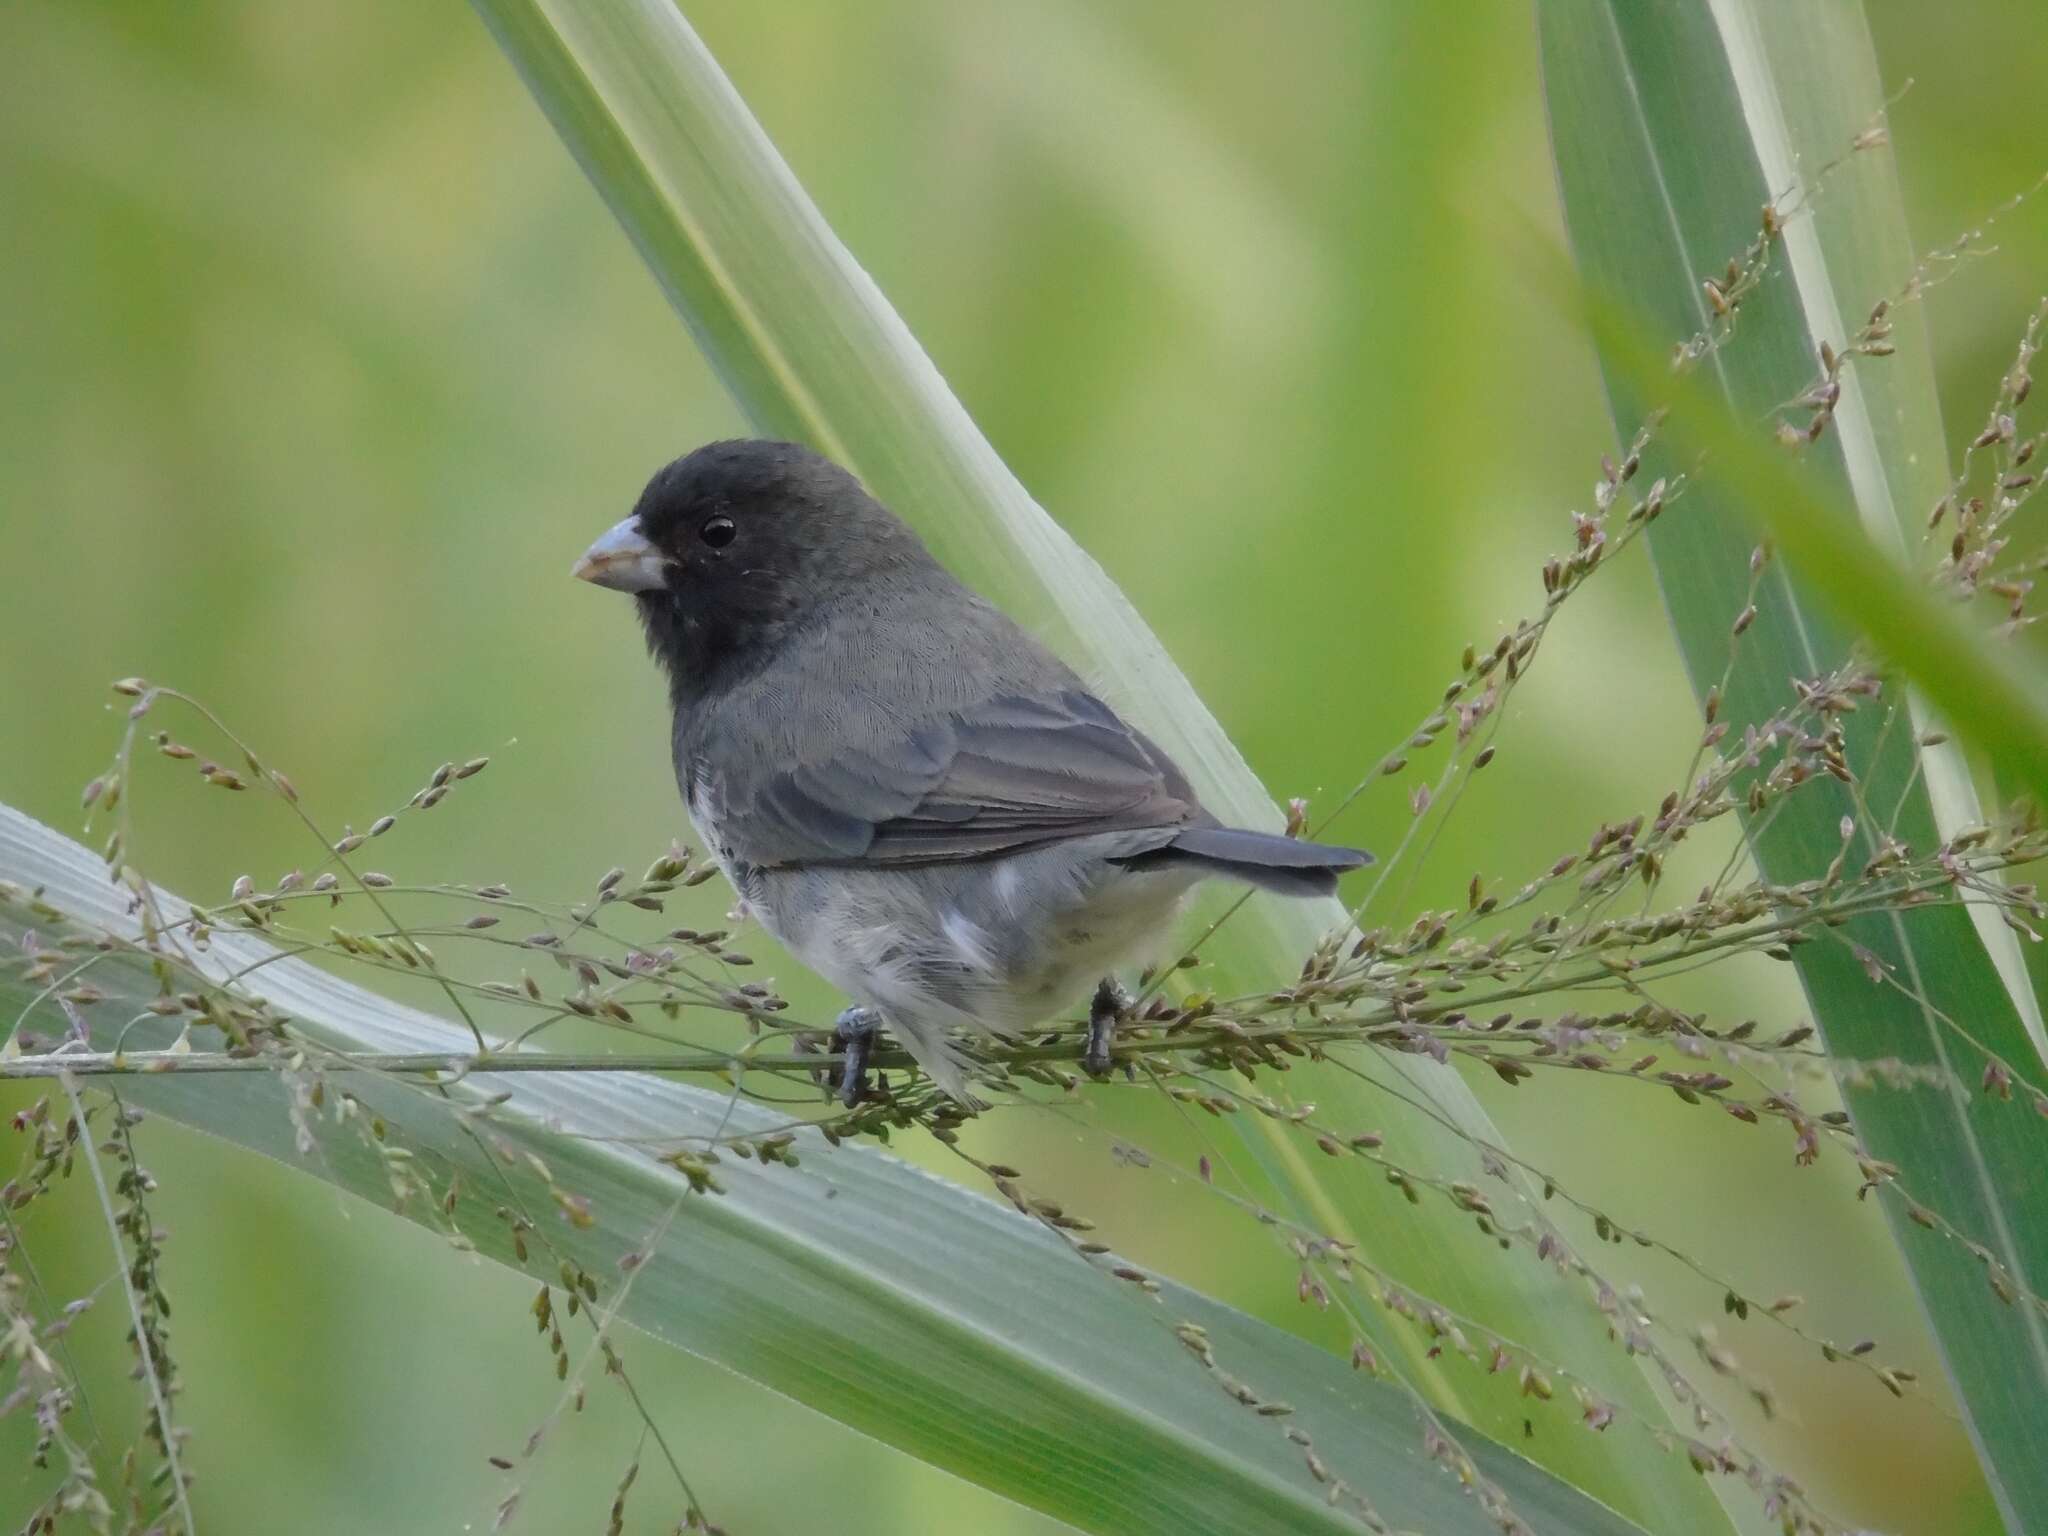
(1673, 125)
(812, 350)
(937, 1321)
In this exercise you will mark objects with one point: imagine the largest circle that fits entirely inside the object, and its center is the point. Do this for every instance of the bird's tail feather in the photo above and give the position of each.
(1265, 859)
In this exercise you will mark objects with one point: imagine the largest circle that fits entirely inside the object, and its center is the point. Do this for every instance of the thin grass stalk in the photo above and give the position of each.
(1729, 188)
(813, 351)
(927, 1317)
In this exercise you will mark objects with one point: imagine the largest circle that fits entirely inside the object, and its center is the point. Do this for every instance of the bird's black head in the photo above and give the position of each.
(732, 546)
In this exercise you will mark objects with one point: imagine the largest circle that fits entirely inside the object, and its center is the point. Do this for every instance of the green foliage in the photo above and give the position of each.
(812, 350)
(326, 363)
(1674, 126)
(927, 1317)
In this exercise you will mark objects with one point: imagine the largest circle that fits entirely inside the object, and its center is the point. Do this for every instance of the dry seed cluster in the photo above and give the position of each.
(1485, 982)
(1440, 984)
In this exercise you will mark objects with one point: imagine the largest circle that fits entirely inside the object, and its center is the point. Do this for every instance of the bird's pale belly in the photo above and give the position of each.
(999, 945)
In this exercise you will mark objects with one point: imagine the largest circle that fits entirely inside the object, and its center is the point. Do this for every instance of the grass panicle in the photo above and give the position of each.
(1558, 970)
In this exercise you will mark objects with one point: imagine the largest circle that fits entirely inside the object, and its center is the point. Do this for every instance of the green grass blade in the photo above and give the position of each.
(1980, 686)
(936, 1321)
(812, 350)
(1672, 125)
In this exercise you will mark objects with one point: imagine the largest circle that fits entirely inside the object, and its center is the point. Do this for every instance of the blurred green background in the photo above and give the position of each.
(321, 362)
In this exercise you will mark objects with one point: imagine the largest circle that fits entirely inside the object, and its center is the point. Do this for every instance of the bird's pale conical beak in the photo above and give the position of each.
(623, 560)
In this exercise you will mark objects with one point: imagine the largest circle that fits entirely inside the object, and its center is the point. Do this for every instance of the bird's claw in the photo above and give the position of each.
(853, 1034)
(1111, 1000)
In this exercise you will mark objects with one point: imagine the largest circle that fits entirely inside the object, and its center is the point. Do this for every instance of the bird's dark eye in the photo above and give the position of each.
(718, 532)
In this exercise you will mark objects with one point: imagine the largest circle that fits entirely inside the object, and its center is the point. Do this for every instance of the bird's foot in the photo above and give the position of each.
(1111, 1002)
(853, 1033)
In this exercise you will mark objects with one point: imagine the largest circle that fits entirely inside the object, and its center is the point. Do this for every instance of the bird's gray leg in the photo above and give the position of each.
(1110, 1002)
(854, 1035)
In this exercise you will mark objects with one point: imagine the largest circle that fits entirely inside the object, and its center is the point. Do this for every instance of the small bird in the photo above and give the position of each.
(909, 792)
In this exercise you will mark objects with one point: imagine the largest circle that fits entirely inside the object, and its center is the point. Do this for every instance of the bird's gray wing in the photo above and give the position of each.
(997, 776)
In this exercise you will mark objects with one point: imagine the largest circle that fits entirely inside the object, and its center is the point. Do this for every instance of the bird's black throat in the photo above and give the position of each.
(707, 647)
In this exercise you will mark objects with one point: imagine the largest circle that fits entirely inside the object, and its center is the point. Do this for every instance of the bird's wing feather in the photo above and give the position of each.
(1003, 774)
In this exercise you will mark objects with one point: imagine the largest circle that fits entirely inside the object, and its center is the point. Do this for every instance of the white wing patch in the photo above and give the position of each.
(706, 813)
(1007, 878)
(970, 943)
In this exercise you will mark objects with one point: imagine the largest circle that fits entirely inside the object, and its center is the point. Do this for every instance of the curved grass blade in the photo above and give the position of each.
(812, 350)
(1672, 126)
(938, 1322)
